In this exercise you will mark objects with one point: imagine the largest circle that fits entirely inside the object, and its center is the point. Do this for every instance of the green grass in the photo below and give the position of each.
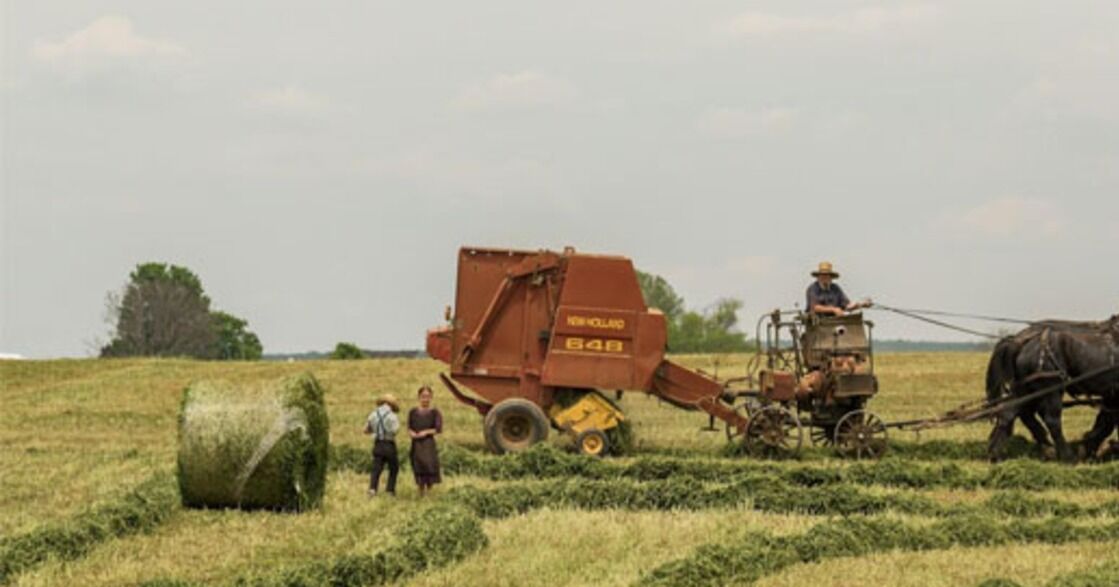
(78, 435)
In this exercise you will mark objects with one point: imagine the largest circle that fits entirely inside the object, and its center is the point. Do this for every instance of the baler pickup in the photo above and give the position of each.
(689, 389)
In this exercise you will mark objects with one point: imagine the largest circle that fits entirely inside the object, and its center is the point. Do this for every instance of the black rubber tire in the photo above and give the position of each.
(587, 440)
(514, 425)
(486, 424)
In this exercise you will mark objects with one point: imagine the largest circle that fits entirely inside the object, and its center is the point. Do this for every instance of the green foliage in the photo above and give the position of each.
(235, 342)
(714, 331)
(711, 332)
(163, 311)
(143, 508)
(347, 350)
(166, 273)
(660, 295)
(260, 447)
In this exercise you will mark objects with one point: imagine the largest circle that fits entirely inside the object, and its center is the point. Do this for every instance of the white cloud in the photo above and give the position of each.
(732, 123)
(108, 37)
(869, 19)
(525, 89)
(1008, 217)
(291, 100)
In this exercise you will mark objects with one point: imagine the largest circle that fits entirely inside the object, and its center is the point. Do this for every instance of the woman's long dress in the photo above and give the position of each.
(425, 455)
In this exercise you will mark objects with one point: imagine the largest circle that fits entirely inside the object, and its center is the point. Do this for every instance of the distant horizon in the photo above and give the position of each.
(879, 344)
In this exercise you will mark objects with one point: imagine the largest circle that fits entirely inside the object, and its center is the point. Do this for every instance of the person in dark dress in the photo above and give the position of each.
(424, 423)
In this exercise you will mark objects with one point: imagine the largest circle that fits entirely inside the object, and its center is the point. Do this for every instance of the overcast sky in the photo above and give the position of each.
(319, 163)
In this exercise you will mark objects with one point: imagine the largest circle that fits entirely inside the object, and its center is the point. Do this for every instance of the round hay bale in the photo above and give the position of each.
(259, 446)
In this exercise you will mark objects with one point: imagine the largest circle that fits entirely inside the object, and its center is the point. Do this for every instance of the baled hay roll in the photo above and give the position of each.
(255, 446)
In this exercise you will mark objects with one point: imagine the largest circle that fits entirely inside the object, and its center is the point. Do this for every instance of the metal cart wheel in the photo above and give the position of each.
(823, 435)
(773, 431)
(861, 435)
(592, 442)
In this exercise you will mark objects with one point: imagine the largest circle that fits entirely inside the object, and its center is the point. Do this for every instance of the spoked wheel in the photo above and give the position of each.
(860, 435)
(773, 431)
(823, 435)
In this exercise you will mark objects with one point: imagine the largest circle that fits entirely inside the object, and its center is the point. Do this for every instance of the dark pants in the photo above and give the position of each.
(384, 453)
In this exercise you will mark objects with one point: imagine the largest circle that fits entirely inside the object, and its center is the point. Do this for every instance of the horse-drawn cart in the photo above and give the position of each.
(814, 372)
(817, 372)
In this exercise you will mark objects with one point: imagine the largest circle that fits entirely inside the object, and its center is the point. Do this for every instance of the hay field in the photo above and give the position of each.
(81, 441)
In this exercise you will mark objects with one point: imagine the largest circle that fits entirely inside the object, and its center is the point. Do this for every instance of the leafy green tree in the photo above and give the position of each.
(660, 295)
(713, 331)
(163, 311)
(347, 350)
(235, 342)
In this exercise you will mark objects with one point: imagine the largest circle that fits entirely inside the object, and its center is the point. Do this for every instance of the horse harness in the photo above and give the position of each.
(1045, 355)
(1057, 371)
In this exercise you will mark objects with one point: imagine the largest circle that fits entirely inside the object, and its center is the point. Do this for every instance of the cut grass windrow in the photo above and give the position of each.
(768, 495)
(762, 493)
(544, 461)
(438, 536)
(143, 508)
(760, 554)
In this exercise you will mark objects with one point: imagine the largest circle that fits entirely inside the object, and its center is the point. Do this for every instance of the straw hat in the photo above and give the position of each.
(825, 268)
(391, 400)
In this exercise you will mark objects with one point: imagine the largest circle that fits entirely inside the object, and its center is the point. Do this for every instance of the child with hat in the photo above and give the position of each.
(383, 425)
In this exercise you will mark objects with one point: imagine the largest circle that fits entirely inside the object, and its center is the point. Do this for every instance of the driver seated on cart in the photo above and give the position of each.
(826, 298)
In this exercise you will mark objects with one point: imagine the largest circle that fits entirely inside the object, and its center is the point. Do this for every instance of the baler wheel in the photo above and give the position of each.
(773, 431)
(592, 442)
(487, 426)
(514, 425)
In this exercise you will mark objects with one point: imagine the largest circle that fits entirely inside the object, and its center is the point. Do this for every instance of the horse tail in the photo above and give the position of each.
(1000, 369)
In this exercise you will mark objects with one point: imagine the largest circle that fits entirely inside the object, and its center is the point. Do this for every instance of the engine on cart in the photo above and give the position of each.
(818, 373)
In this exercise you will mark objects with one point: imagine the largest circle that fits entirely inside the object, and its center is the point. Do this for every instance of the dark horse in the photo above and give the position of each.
(1043, 355)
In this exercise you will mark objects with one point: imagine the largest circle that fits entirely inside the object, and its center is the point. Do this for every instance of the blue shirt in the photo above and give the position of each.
(832, 296)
